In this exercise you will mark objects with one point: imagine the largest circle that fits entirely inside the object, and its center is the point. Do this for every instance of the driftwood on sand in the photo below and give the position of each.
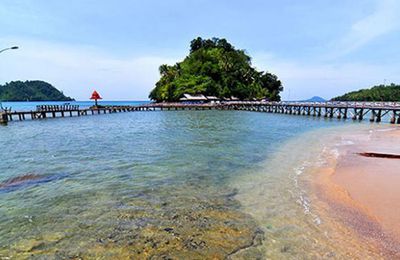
(380, 155)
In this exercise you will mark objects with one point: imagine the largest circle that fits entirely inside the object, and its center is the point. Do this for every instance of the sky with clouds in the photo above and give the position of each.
(316, 47)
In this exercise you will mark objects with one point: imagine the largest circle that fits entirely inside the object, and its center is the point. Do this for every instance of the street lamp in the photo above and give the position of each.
(6, 49)
(10, 48)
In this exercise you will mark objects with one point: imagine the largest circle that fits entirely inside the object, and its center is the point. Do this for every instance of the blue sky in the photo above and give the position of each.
(322, 47)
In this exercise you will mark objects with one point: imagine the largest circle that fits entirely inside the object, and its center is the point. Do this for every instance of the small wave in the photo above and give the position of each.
(300, 194)
(345, 142)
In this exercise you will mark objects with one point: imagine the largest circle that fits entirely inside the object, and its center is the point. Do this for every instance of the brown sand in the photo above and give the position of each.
(374, 182)
(364, 193)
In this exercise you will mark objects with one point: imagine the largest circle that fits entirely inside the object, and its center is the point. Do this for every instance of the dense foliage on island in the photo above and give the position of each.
(31, 90)
(377, 93)
(215, 68)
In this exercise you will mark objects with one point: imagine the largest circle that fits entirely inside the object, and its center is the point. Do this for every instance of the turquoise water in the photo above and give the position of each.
(142, 184)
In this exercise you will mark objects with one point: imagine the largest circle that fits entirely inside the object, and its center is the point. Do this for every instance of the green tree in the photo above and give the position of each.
(33, 90)
(377, 93)
(215, 68)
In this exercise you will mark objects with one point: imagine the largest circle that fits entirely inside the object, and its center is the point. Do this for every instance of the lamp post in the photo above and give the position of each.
(3, 50)
(10, 48)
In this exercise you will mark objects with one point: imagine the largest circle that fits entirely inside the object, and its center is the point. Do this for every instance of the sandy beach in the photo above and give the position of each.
(362, 193)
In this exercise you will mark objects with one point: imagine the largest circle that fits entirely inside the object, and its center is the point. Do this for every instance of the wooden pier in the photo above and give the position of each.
(340, 110)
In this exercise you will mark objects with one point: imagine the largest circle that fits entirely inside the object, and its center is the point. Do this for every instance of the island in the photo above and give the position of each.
(315, 99)
(215, 68)
(386, 93)
(31, 90)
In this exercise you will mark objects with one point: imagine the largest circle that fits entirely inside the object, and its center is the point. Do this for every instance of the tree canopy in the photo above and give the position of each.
(215, 68)
(33, 90)
(377, 93)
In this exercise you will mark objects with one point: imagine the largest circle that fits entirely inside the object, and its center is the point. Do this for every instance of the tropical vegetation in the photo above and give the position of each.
(377, 93)
(215, 68)
(31, 90)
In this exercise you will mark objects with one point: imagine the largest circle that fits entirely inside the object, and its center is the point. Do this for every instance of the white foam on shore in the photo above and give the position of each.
(277, 197)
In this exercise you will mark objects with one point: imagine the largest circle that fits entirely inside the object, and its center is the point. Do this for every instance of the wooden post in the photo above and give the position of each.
(355, 114)
(3, 118)
(361, 115)
(393, 118)
(379, 116)
(372, 119)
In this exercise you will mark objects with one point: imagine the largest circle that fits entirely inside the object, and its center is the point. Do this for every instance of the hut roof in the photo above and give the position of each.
(212, 98)
(194, 97)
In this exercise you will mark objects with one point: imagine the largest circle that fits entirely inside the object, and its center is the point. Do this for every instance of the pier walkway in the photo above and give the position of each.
(374, 111)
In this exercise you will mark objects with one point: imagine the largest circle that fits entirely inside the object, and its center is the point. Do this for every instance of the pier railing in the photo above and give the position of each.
(50, 108)
(376, 111)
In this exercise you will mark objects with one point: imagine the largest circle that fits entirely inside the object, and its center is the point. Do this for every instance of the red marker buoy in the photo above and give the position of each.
(95, 96)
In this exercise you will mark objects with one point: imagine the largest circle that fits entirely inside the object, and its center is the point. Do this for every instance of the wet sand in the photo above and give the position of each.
(363, 193)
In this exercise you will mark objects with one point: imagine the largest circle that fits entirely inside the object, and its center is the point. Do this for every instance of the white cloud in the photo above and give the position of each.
(383, 20)
(303, 80)
(77, 70)
(327, 78)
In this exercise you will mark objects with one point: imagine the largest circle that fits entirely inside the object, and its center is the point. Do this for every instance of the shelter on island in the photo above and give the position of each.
(199, 98)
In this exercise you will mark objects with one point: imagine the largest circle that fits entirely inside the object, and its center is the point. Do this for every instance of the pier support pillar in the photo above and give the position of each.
(3, 118)
(379, 116)
(355, 114)
(372, 119)
(393, 118)
(361, 115)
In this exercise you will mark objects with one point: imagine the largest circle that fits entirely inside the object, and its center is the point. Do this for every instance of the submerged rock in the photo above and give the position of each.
(190, 227)
(19, 180)
(28, 180)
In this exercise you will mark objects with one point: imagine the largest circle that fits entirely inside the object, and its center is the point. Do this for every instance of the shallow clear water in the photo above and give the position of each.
(149, 184)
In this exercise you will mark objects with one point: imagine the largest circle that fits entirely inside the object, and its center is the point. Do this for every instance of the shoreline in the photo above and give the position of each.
(295, 221)
(360, 195)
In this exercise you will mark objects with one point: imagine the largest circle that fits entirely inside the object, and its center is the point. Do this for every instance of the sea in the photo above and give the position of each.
(162, 185)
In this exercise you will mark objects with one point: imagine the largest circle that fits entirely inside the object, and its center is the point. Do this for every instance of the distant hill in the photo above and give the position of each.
(377, 93)
(315, 99)
(31, 90)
